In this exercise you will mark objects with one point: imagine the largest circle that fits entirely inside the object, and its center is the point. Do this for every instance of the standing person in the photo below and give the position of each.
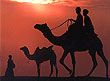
(88, 27)
(9, 71)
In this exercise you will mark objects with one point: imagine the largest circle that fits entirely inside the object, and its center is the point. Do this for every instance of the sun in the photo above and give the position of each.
(37, 1)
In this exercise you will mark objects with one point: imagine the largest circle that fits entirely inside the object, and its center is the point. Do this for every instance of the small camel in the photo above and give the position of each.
(41, 55)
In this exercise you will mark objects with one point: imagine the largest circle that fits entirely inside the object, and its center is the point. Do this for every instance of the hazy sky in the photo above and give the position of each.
(74, 3)
(17, 30)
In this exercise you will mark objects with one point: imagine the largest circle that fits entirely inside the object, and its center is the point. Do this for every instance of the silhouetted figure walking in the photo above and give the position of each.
(88, 27)
(41, 55)
(9, 71)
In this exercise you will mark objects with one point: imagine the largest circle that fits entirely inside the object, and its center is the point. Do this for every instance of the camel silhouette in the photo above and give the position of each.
(41, 55)
(71, 45)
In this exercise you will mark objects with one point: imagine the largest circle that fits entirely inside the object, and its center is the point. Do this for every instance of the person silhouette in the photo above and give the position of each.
(88, 27)
(9, 71)
(78, 21)
(75, 30)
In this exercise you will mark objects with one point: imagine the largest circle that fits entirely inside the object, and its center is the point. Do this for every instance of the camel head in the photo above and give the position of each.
(42, 27)
(23, 48)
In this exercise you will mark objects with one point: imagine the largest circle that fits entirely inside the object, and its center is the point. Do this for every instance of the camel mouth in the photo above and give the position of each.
(40, 26)
(21, 48)
(36, 26)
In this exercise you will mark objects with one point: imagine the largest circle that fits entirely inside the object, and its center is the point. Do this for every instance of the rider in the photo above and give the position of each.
(75, 30)
(79, 20)
(88, 27)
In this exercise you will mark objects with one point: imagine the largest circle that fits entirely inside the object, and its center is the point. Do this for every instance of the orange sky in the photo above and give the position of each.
(17, 29)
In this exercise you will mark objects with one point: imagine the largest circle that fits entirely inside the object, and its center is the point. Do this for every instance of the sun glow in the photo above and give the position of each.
(38, 1)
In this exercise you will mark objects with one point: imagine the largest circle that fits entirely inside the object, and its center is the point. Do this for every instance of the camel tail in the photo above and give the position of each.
(99, 43)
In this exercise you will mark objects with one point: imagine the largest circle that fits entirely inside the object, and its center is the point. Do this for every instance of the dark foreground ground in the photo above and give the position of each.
(29, 78)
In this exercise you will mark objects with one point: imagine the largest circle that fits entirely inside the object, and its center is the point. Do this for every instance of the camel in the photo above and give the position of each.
(41, 55)
(70, 46)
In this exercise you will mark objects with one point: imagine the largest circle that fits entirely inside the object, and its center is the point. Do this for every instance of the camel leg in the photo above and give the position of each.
(56, 69)
(51, 70)
(38, 69)
(73, 62)
(101, 54)
(93, 56)
(62, 61)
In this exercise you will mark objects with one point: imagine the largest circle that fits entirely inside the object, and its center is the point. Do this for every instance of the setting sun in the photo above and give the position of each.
(37, 1)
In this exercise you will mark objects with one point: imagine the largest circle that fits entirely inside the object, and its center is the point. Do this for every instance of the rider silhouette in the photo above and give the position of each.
(78, 21)
(75, 30)
(88, 27)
